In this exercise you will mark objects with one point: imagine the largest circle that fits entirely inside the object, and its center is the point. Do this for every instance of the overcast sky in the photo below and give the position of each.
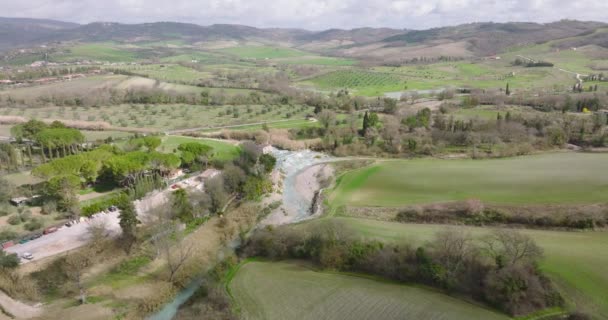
(310, 14)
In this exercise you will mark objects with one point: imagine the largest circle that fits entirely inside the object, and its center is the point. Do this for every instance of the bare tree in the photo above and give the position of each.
(98, 231)
(509, 247)
(452, 247)
(75, 264)
(326, 118)
(170, 245)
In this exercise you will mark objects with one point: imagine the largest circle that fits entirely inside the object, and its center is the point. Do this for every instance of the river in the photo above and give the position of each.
(289, 163)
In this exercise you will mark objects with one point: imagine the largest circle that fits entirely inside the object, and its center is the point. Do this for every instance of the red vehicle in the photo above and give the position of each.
(50, 230)
(174, 187)
(7, 244)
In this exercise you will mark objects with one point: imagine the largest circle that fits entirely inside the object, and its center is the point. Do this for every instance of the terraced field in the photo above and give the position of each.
(575, 260)
(554, 178)
(283, 290)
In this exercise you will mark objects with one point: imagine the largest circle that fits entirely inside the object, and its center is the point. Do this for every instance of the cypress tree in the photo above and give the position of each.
(507, 90)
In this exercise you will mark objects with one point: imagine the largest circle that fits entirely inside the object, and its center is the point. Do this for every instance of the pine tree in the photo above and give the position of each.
(128, 222)
(508, 116)
(507, 90)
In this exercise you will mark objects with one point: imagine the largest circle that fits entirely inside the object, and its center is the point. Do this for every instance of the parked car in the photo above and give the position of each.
(8, 244)
(36, 236)
(68, 224)
(112, 208)
(22, 241)
(50, 230)
(27, 256)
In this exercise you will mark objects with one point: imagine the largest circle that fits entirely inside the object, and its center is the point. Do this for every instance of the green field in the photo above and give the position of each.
(281, 290)
(487, 74)
(96, 51)
(364, 82)
(554, 178)
(491, 112)
(576, 261)
(321, 61)
(221, 150)
(262, 52)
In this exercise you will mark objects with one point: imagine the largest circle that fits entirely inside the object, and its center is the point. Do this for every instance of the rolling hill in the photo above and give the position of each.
(463, 41)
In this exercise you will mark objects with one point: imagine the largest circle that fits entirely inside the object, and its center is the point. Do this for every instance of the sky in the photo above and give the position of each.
(309, 14)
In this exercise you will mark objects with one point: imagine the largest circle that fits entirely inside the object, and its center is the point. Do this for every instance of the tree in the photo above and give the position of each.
(151, 143)
(7, 189)
(8, 261)
(8, 156)
(507, 90)
(256, 187)
(233, 177)
(452, 249)
(181, 205)
(217, 192)
(268, 161)
(63, 190)
(365, 123)
(171, 245)
(509, 247)
(75, 264)
(326, 118)
(128, 222)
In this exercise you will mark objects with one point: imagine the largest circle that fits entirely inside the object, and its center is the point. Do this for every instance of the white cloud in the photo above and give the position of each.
(311, 14)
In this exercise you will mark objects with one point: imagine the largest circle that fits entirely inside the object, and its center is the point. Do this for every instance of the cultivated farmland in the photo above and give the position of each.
(282, 290)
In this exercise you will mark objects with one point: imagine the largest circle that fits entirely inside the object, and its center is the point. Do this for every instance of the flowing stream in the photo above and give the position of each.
(290, 163)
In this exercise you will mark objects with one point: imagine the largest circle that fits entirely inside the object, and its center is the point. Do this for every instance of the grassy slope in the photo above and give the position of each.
(575, 260)
(540, 179)
(222, 150)
(266, 290)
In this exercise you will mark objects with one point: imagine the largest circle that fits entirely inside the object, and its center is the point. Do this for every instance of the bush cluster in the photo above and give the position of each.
(452, 262)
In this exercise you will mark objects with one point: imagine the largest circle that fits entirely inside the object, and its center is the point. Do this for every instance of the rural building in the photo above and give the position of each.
(19, 201)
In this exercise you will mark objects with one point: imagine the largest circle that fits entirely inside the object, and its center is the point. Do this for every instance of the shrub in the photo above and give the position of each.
(6, 234)
(14, 220)
(34, 224)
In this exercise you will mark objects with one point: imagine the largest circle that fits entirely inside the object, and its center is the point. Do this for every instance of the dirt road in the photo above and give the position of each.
(18, 309)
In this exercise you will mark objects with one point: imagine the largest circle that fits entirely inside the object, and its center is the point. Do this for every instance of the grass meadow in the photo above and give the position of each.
(262, 52)
(221, 150)
(552, 178)
(289, 290)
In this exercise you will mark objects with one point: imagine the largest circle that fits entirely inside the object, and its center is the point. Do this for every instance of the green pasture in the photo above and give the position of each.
(221, 150)
(262, 52)
(96, 51)
(289, 290)
(576, 261)
(554, 178)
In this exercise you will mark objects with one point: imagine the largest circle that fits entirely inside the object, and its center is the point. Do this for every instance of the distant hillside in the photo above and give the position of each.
(468, 40)
(17, 32)
(491, 38)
